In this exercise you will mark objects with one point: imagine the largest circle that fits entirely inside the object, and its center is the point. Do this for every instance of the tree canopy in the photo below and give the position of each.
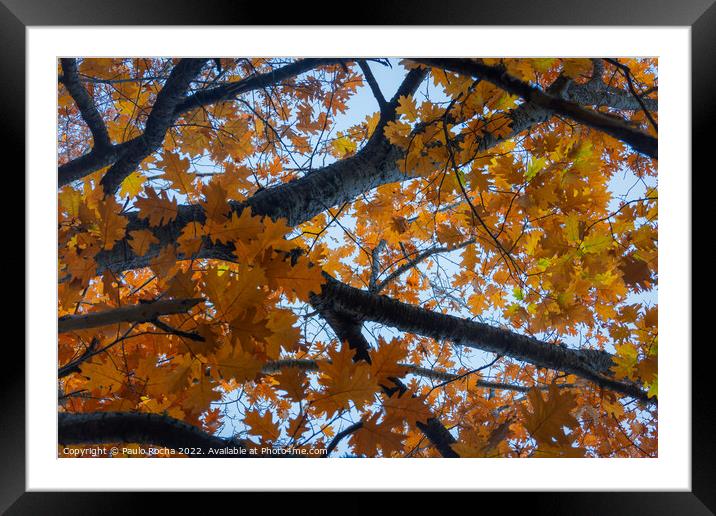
(426, 257)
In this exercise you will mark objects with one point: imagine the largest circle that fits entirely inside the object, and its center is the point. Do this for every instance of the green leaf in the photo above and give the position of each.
(534, 167)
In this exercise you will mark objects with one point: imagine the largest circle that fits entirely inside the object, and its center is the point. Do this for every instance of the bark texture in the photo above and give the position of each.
(592, 365)
(613, 126)
(143, 312)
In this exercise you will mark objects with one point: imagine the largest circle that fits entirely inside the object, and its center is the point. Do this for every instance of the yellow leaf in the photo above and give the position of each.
(132, 184)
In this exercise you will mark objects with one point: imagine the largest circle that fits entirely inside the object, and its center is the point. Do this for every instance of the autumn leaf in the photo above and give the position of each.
(293, 381)
(407, 406)
(344, 382)
(157, 208)
(385, 361)
(176, 171)
(548, 417)
(111, 223)
(372, 436)
(103, 376)
(298, 281)
(262, 426)
(140, 241)
(237, 364)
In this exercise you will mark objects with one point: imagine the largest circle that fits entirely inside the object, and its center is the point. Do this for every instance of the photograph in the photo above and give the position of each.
(357, 257)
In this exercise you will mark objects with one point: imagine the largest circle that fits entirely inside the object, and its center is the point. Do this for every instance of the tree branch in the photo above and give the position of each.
(136, 427)
(297, 201)
(372, 83)
(85, 104)
(593, 365)
(143, 312)
(275, 366)
(618, 128)
(348, 330)
(96, 159)
(160, 119)
(419, 258)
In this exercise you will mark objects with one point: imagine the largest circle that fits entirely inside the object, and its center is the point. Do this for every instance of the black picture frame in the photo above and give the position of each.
(700, 15)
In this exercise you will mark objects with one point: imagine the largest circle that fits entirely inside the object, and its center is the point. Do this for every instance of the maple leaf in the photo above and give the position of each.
(83, 268)
(232, 294)
(250, 326)
(293, 381)
(182, 285)
(176, 171)
(140, 241)
(111, 223)
(190, 241)
(636, 273)
(385, 359)
(214, 203)
(156, 207)
(238, 364)
(167, 379)
(547, 419)
(407, 108)
(132, 184)
(596, 243)
(372, 436)
(297, 281)
(481, 445)
(626, 361)
(104, 376)
(199, 396)
(262, 426)
(407, 407)
(238, 228)
(283, 333)
(577, 67)
(344, 382)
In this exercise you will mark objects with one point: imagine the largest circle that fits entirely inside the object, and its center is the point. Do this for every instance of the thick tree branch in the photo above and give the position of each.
(297, 201)
(302, 199)
(97, 159)
(348, 330)
(160, 119)
(597, 93)
(85, 104)
(135, 427)
(616, 127)
(143, 312)
(592, 365)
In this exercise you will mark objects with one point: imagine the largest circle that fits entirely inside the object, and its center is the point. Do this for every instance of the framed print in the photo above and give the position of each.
(359, 244)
